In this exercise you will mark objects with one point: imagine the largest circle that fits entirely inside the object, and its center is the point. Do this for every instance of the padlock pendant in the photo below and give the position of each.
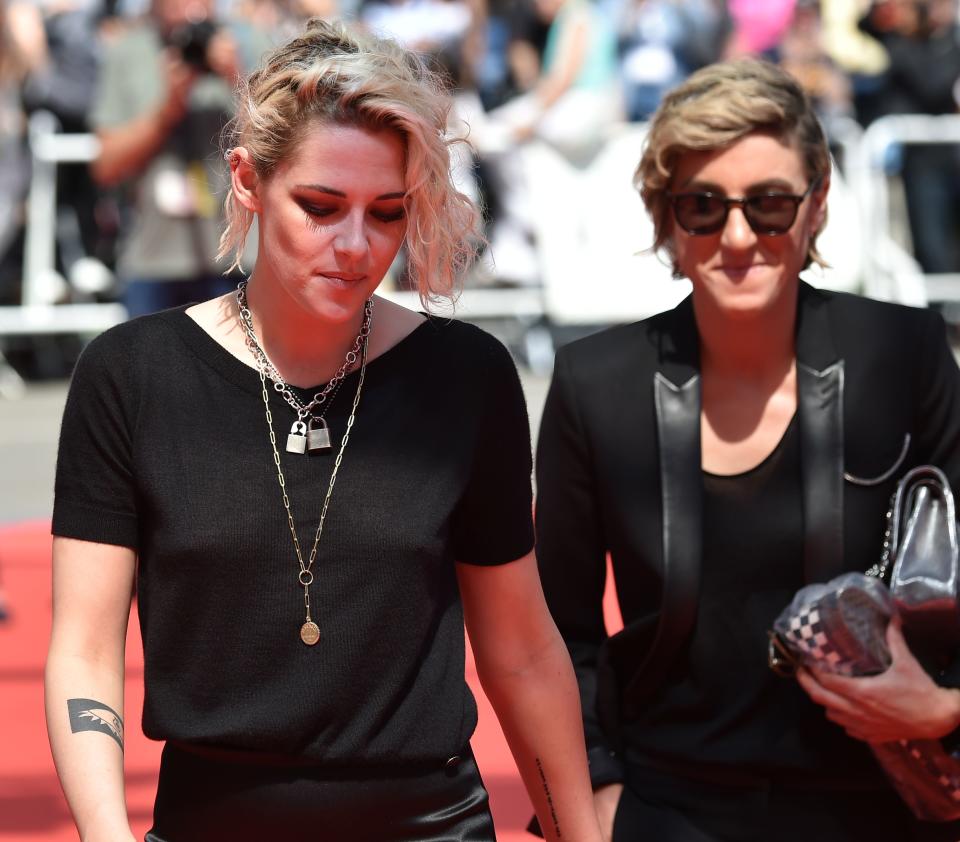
(297, 440)
(318, 438)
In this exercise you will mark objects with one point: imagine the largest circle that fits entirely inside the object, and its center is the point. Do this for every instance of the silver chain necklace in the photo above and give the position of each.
(310, 631)
(310, 432)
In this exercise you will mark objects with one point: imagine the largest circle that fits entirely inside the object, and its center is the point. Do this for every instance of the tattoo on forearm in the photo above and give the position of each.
(546, 792)
(89, 715)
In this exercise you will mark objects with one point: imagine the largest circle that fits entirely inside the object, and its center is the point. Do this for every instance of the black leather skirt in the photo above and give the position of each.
(212, 796)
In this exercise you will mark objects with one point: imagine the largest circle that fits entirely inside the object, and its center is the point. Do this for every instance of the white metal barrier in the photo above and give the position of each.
(891, 272)
(48, 149)
(39, 313)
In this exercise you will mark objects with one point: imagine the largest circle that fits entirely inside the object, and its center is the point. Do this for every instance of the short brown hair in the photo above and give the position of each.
(715, 107)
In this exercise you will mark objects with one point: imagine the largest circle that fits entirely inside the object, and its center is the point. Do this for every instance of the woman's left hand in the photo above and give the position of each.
(899, 704)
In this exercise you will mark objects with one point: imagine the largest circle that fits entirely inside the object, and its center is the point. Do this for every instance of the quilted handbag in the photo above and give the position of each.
(841, 627)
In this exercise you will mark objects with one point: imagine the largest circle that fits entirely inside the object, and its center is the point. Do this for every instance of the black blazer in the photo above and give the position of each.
(619, 472)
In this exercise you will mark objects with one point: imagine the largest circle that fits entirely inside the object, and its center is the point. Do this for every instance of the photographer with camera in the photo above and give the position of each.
(164, 94)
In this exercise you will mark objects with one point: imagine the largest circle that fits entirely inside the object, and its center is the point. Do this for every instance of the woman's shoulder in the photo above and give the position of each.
(436, 333)
(119, 366)
(138, 329)
(634, 345)
(859, 317)
(464, 343)
(471, 363)
(119, 346)
(890, 345)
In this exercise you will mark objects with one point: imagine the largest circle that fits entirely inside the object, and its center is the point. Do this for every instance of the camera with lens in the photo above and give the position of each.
(192, 40)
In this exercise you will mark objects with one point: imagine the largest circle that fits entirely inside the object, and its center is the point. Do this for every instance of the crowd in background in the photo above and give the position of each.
(154, 79)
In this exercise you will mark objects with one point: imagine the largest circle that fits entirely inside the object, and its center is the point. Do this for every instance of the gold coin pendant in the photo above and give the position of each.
(309, 633)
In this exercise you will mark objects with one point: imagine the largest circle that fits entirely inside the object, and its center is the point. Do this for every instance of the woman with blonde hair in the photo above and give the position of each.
(724, 454)
(314, 487)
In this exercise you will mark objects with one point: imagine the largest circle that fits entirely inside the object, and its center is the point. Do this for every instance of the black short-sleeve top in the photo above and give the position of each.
(165, 449)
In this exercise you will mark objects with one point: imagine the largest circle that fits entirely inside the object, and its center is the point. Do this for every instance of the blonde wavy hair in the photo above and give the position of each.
(331, 74)
(715, 107)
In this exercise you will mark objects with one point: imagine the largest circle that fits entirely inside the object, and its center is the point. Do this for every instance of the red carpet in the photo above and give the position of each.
(32, 807)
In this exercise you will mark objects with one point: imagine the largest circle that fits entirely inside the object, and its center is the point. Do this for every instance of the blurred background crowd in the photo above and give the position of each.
(136, 220)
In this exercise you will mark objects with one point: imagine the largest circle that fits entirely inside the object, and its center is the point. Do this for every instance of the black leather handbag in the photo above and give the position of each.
(841, 627)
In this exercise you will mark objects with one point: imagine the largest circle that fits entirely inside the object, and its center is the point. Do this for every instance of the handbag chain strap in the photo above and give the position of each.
(879, 571)
(902, 499)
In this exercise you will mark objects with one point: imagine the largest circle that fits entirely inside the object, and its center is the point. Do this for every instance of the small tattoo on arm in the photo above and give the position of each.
(546, 792)
(89, 715)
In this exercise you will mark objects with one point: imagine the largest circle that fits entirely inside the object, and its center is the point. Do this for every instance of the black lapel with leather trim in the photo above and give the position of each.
(676, 389)
(676, 392)
(820, 407)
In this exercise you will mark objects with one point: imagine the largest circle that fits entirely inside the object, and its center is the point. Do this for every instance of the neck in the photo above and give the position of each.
(759, 347)
(305, 350)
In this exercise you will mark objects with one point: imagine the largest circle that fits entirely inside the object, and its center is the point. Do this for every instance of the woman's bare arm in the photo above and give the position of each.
(526, 673)
(92, 585)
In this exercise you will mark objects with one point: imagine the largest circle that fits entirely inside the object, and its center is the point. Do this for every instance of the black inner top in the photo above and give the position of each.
(722, 705)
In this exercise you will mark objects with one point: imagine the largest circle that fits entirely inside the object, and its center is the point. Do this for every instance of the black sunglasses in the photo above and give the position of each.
(766, 213)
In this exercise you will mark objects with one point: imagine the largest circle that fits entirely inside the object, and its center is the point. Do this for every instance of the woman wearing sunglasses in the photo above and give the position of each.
(724, 454)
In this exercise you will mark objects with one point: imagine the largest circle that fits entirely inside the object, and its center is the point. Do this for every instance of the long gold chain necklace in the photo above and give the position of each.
(310, 631)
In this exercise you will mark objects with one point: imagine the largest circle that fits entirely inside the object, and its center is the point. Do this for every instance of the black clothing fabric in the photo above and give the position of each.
(619, 472)
(701, 713)
(923, 69)
(201, 798)
(165, 449)
(669, 808)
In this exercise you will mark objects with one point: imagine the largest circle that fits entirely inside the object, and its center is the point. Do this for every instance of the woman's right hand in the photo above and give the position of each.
(606, 800)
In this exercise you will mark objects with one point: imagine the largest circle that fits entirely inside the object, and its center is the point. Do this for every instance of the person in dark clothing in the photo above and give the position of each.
(724, 454)
(923, 42)
(302, 601)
